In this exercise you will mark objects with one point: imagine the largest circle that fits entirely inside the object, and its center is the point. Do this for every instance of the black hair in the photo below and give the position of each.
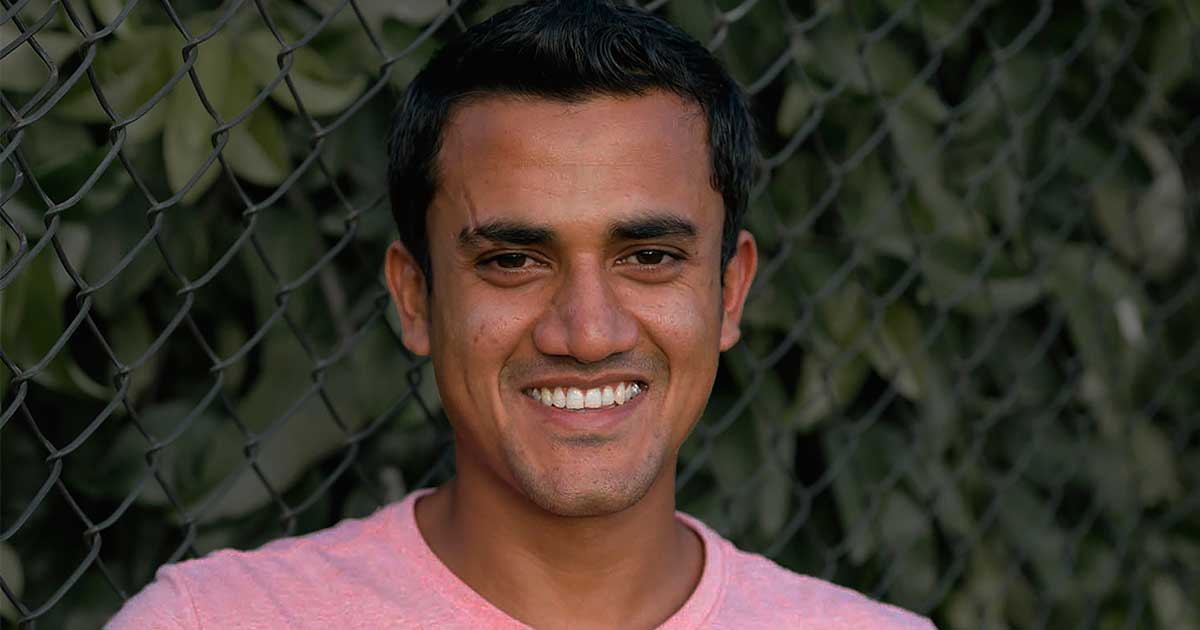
(566, 50)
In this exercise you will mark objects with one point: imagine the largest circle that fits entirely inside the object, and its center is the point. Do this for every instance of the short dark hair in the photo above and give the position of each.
(566, 50)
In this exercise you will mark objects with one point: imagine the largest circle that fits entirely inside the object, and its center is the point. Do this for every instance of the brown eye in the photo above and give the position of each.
(510, 261)
(649, 257)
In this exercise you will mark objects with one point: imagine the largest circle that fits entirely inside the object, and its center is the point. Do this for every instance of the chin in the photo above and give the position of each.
(574, 491)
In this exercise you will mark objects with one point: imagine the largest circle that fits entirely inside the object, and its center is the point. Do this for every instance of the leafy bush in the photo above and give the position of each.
(970, 376)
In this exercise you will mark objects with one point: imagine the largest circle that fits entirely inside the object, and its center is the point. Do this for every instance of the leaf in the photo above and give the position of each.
(187, 465)
(906, 531)
(14, 578)
(889, 67)
(1113, 211)
(377, 12)
(953, 275)
(1172, 606)
(1154, 463)
(825, 388)
(950, 505)
(115, 232)
(871, 457)
(1168, 67)
(775, 494)
(926, 102)
(836, 56)
(897, 353)
(1160, 217)
(695, 18)
(307, 435)
(108, 10)
(256, 150)
(797, 101)
(230, 338)
(1021, 80)
(1113, 485)
(33, 322)
(365, 381)
(130, 336)
(186, 140)
(22, 69)
(322, 89)
(74, 239)
(290, 243)
(872, 214)
(63, 156)
(1090, 288)
(415, 12)
(1042, 546)
(130, 72)
(397, 38)
(935, 18)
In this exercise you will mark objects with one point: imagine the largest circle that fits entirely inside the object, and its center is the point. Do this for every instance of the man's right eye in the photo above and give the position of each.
(509, 261)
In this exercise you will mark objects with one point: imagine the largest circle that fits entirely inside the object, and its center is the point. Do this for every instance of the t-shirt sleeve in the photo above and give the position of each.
(164, 604)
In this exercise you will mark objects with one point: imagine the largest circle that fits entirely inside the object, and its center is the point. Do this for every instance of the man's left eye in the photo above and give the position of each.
(511, 261)
(648, 257)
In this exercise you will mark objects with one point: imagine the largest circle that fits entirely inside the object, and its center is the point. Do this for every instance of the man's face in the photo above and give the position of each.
(577, 309)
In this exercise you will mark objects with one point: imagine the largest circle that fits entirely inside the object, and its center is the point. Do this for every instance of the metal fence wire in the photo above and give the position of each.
(969, 381)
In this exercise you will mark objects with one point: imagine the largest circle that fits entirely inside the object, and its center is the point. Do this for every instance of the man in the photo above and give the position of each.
(568, 179)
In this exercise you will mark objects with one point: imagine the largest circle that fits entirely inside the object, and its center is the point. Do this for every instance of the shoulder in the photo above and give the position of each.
(267, 583)
(803, 601)
(757, 592)
(318, 555)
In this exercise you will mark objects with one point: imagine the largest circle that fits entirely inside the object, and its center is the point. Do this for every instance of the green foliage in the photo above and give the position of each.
(968, 378)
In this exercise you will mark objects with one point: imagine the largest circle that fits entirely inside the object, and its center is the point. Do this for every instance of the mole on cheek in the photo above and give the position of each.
(479, 324)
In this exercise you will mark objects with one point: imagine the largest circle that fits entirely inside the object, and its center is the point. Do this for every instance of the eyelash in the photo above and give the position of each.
(666, 258)
(653, 252)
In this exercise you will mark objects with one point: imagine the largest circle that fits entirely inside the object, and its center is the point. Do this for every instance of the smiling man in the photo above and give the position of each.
(568, 179)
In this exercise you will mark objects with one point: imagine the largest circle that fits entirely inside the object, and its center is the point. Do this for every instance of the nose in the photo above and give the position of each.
(585, 320)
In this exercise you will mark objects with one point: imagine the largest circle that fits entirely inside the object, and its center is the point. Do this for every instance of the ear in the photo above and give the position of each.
(406, 283)
(739, 274)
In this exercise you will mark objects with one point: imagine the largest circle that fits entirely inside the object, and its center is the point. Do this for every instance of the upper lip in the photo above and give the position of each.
(551, 382)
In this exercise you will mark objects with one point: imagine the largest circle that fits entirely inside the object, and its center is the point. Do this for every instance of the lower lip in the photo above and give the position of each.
(603, 420)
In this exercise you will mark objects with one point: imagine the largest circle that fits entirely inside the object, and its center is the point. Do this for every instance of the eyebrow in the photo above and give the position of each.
(660, 225)
(505, 232)
(509, 232)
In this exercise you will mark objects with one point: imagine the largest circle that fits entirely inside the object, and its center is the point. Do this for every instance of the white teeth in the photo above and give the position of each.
(575, 398)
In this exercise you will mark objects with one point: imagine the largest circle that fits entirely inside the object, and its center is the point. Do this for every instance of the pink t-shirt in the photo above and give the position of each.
(377, 572)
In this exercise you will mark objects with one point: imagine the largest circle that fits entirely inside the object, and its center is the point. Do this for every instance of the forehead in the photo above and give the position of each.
(543, 159)
(597, 122)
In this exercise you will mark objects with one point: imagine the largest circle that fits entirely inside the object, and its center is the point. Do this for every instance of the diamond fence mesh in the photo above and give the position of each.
(969, 381)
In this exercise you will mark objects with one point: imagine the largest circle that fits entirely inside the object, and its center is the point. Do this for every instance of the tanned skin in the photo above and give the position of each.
(572, 244)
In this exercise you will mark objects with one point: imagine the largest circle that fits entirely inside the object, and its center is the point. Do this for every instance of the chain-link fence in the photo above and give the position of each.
(970, 376)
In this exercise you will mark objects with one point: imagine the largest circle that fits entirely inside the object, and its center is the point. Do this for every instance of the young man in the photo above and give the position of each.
(569, 179)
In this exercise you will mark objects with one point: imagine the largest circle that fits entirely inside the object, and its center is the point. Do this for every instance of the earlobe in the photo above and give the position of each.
(406, 283)
(738, 276)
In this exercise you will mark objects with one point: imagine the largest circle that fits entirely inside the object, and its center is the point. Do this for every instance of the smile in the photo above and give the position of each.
(574, 398)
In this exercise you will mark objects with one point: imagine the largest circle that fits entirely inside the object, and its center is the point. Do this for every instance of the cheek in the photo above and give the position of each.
(480, 327)
(685, 325)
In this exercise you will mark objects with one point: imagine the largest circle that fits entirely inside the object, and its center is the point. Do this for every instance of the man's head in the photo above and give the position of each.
(568, 179)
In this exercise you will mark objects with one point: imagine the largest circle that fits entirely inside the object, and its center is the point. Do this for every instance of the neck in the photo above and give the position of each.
(633, 568)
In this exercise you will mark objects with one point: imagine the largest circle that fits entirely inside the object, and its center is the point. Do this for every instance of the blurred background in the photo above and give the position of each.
(970, 376)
